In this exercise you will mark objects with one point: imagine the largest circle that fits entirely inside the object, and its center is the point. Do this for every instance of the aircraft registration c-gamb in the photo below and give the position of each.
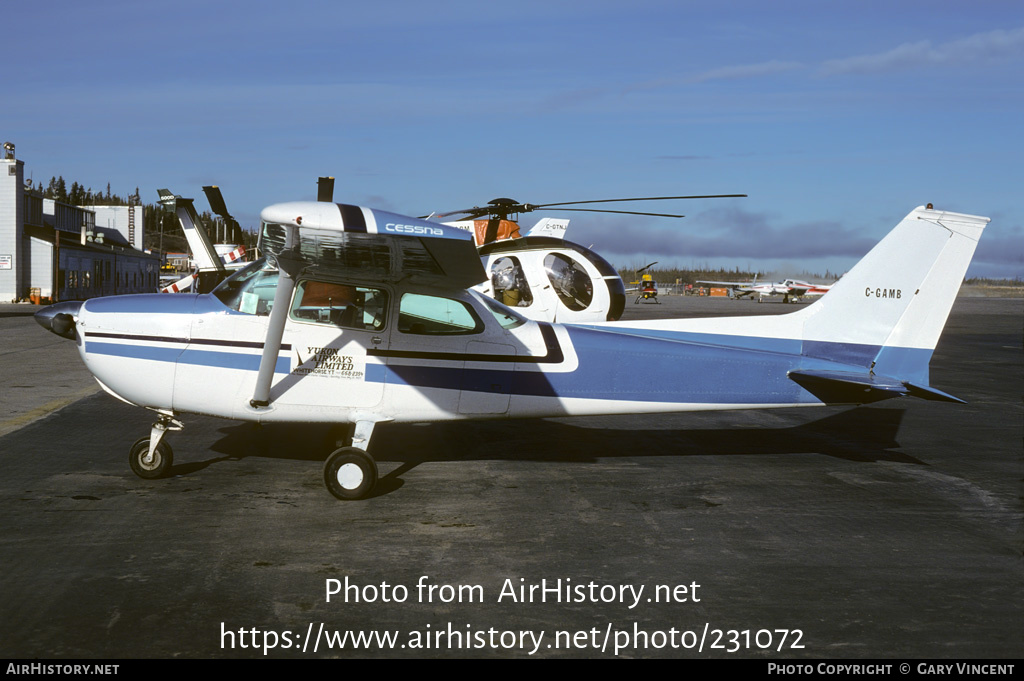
(360, 317)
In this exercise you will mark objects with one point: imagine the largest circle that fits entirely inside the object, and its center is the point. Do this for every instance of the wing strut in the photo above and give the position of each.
(289, 264)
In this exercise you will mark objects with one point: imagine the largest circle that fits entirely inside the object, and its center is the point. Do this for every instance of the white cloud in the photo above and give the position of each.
(746, 71)
(979, 47)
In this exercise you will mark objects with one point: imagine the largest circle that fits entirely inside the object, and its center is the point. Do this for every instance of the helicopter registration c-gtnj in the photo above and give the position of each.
(357, 317)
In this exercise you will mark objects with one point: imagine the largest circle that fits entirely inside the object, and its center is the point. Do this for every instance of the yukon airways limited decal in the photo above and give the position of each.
(329, 362)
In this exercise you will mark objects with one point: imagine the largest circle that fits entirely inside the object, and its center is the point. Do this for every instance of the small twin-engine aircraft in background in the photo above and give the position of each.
(791, 290)
(541, 274)
(361, 317)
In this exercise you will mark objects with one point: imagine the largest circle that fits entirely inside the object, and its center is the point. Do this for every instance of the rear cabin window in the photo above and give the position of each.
(436, 316)
(344, 305)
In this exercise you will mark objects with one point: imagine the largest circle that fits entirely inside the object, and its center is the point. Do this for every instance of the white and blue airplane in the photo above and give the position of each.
(360, 317)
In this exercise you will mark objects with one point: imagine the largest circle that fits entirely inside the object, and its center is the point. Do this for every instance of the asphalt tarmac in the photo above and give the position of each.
(892, 531)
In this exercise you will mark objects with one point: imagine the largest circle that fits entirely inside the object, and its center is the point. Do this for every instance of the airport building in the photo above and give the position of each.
(52, 251)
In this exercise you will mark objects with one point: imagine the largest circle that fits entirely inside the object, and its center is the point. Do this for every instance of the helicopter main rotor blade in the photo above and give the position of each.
(474, 212)
(643, 198)
(505, 207)
(621, 212)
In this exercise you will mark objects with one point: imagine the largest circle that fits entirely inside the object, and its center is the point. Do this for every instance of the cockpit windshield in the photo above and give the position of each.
(251, 289)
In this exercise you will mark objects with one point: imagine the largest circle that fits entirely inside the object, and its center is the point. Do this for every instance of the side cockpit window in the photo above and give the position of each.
(348, 306)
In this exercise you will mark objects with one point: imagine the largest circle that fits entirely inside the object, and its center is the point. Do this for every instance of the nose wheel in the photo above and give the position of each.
(150, 467)
(151, 457)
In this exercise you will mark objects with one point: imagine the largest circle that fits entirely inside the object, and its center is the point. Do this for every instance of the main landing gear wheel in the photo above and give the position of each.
(350, 473)
(159, 467)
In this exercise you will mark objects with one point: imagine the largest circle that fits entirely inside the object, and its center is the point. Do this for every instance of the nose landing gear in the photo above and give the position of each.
(151, 458)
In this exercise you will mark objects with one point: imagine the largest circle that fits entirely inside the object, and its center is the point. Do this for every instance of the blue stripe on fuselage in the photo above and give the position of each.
(195, 356)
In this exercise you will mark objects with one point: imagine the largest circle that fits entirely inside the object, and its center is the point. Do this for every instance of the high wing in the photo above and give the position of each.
(734, 285)
(335, 238)
(798, 291)
(802, 288)
(366, 242)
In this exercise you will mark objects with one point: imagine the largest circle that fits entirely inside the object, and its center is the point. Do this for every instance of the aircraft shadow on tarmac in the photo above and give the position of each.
(861, 435)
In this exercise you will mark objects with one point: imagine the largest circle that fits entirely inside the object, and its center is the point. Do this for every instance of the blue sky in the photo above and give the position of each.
(836, 118)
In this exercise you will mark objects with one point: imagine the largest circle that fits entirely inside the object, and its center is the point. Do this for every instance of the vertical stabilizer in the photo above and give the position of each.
(888, 311)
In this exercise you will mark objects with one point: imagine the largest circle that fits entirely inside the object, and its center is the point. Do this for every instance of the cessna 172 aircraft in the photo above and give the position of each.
(361, 317)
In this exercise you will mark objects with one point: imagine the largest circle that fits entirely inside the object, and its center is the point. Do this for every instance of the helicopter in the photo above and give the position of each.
(648, 288)
(544, 276)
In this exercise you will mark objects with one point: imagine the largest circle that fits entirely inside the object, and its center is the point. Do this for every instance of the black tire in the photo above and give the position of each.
(163, 459)
(350, 474)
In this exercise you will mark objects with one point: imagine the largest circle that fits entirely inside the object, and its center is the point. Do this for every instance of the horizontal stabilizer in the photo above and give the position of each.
(851, 387)
(929, 393)
(848, 387)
